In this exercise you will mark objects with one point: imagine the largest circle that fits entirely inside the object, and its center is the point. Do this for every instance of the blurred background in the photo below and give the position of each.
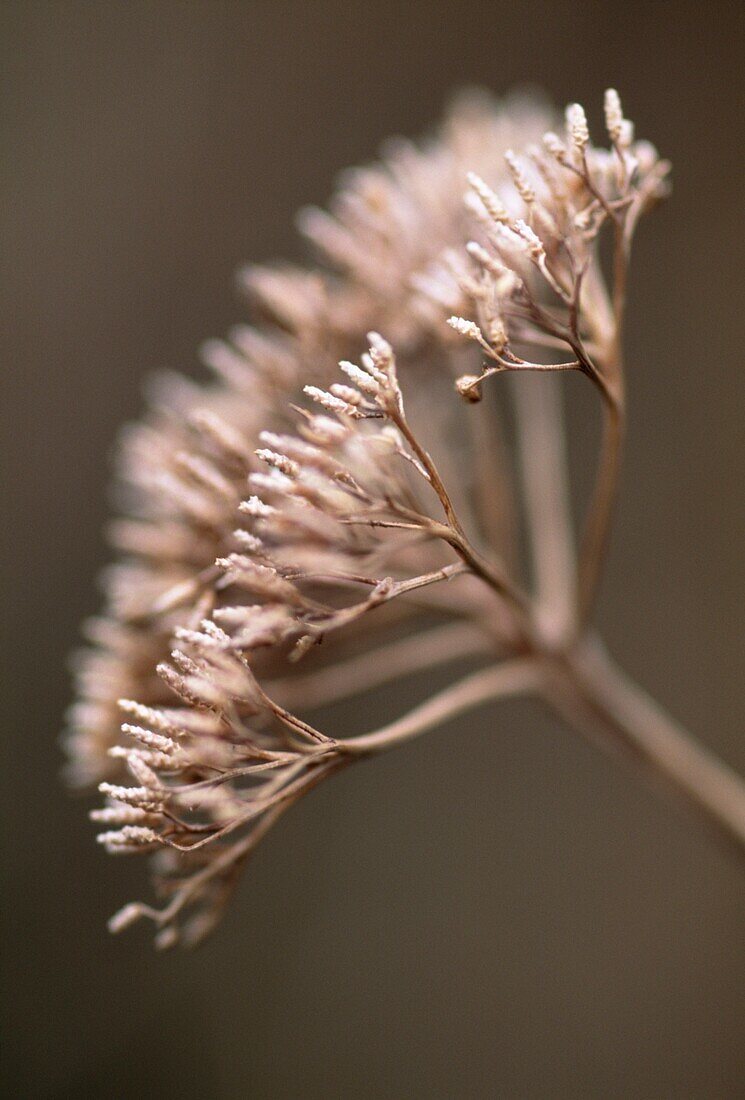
(534, 923)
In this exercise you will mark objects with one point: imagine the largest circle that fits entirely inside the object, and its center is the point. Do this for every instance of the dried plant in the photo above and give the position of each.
(259, 528)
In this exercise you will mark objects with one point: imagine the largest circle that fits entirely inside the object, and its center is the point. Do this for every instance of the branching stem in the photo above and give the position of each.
(511, 678)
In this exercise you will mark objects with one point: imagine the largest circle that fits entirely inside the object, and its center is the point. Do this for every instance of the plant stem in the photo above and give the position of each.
(600, 514)
(611, 384)
(595, 698)
(511, 678)
(598, 700)
(543, 462)
(378, 666)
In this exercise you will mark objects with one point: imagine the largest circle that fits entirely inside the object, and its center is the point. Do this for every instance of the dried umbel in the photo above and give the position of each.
(375, 513)
(183, 470)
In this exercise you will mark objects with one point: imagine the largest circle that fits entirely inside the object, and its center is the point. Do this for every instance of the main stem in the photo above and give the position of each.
(595, 697)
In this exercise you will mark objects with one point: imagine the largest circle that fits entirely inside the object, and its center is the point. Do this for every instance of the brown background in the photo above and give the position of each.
(530, 923)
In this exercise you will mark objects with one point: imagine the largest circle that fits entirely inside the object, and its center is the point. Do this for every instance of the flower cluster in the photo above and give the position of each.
(351, 517)
(257, 530)
(182, 471)
(538, 282)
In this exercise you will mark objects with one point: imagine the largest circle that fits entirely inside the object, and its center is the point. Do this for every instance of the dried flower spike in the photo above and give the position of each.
(265, 523)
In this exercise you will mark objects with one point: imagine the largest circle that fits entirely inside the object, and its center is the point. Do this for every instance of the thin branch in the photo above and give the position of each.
(229, 857)
(377, 667)
(600, 513)
(258, 806)
(541, 443)
(430, 469)
(512, 678)
(493, 483)
(384, 591)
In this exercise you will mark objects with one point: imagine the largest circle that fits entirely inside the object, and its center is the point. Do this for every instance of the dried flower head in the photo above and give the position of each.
(182, 472)
(294, 502)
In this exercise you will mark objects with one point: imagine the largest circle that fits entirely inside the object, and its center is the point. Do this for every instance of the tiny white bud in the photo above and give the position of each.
(361, 378)
(381, 354)
(346, 393)
(153, 740)
(280, 462)
(493, 205)
(256, 508)
(577, 126)
(166, 938)
(133, 796)
(491, 263)
(524, 189)
(247, 541)
(325, 431)
(119, 815)
(613, 114)
(128, 836)
(466, 328)
(144, 775)
(125, 916)
(328, 401)
(554, 145)
(530, 238)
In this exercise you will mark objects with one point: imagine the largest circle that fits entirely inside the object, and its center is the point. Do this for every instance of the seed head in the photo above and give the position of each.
(613, 115)
(577, 128)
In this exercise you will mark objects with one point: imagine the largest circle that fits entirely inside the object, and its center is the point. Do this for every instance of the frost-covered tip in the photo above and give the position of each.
(144, 774)
(285, 465)
(225, 437)
(128, 836)
(491, 202)
(577, 126)
(153, 740)
(155, 718)
(247, 541)
(530, 238)
(613, 115)
(126, 916)
(553, 144)
(120, 815)
(328, 401)
(364, 381)
(520, 180)
(346, 393)
(132, 796)
(381, 353)
(481, 256)
(256, 507)
(324, 431)
(466, 328)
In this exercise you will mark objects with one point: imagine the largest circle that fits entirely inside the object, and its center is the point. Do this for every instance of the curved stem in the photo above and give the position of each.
(378, 666)
(512, 678)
